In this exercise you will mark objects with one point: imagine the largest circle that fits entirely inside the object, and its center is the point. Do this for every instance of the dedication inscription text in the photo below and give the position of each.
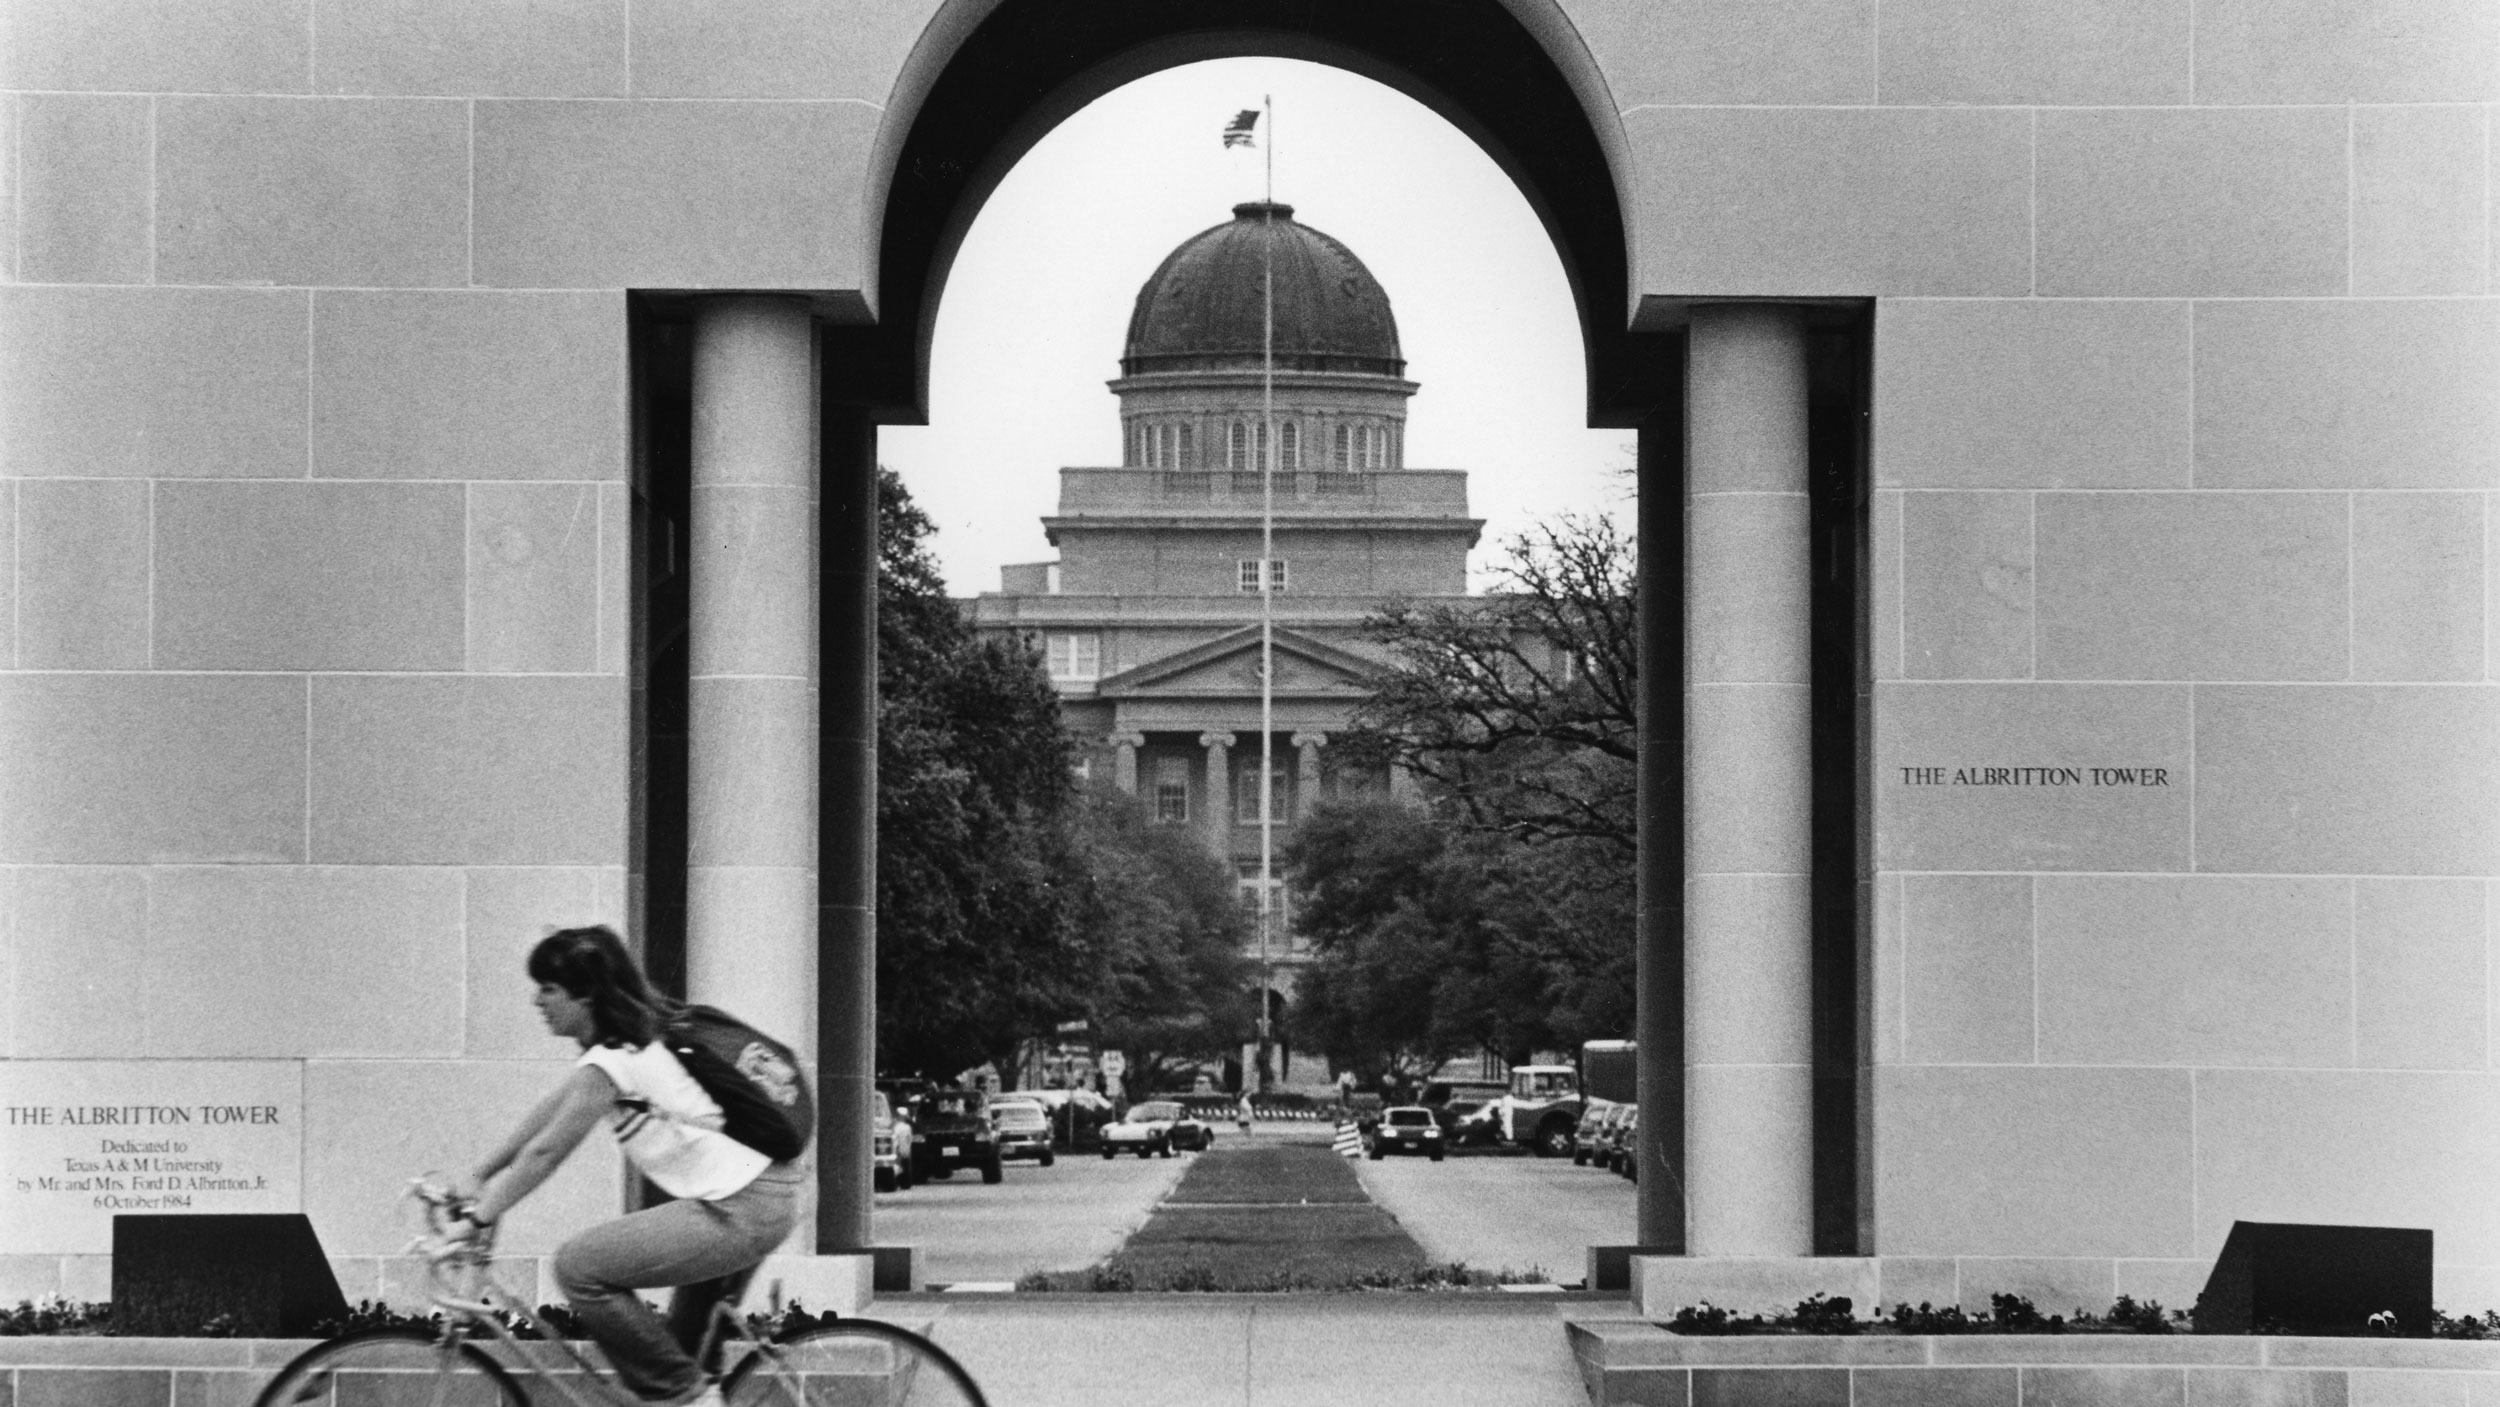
(83, 1140)
(2035, 776)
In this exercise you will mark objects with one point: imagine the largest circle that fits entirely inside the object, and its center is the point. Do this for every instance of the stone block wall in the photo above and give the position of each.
(2185, 459)
(314, 515)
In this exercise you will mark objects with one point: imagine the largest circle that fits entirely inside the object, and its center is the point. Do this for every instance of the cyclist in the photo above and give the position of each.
(733, 1205)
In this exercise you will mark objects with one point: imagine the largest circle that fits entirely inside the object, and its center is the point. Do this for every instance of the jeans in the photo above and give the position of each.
(706, 1249)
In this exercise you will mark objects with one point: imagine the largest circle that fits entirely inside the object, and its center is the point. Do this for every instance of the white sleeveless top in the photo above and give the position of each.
(669, 1127)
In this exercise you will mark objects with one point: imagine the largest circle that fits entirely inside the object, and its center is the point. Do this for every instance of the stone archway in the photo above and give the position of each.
(983, 84)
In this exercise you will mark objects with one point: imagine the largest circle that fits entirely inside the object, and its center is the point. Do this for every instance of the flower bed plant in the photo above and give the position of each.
(53, 1315)
(2006, 1314)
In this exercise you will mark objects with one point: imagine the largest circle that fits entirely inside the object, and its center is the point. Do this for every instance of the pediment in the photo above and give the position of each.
(1229, 665)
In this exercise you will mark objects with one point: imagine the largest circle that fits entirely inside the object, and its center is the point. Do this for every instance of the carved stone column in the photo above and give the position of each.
(1306, 748)
(1219, 817)
(1124, 748)
(1748, 796)
(751, 863)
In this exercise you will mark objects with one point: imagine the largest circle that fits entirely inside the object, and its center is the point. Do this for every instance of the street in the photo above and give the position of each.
(1063, 1217)
(1504, 1211)
(1492, 1211)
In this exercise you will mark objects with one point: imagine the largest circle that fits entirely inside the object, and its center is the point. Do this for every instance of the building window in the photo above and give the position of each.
(1172, 789)
(1075, 657)
(1184, 446)
(1083, 770)
(1050, 578)
(1279, 901)
(1245, 445)
(1289, 447)
(1341, 456)
(1246, 790)
(1249, 573)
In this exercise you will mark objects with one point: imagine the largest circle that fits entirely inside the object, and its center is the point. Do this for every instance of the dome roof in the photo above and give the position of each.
(1201, 310)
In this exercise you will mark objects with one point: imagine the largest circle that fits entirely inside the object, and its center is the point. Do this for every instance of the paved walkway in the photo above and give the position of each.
(1344, 1350)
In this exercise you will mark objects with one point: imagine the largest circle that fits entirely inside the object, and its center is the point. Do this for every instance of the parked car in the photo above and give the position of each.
(954, 1132)
(1155, 1127)
(1623, 1143)
(1408, 1128)
(890, 1145)
(1588, 1143)
(1023, 1130)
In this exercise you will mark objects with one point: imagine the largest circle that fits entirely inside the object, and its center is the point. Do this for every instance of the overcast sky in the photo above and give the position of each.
(1032, 316)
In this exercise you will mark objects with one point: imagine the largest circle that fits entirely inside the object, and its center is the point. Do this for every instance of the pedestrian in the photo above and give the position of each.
(734, 1205)
(1241, 1114)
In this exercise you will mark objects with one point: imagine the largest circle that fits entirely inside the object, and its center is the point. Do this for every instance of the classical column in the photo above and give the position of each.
(1219, 817)
(846, 984)
(1748, 977)
(1124, 748)
(751, 735)
(1306, 748)
(1403, 788)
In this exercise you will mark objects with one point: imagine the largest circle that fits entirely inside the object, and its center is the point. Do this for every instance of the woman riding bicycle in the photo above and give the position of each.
(734, 1205)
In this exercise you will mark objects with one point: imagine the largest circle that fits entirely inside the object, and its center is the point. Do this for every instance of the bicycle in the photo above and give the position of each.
(844, 1360)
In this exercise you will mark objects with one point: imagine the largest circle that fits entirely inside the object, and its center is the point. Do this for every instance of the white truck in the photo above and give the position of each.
(1541, 1109)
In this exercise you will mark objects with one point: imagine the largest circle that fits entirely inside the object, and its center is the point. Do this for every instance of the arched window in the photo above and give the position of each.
(1289, 447)
(1237, 447)
(1185, 455)
(1343, 456)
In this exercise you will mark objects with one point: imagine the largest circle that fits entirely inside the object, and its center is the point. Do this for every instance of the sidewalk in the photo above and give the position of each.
(1319, 1350)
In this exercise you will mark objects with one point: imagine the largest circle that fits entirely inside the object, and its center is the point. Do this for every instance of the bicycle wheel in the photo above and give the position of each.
(852, 1361)
(392, 1368)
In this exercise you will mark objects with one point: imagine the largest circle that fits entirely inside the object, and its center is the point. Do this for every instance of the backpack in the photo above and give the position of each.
(764, 1099)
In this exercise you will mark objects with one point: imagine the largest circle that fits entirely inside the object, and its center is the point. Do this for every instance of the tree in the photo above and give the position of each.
(1168, 930)
(1435, 940)
(1519, 709)
(976, 943)
(1503, 917)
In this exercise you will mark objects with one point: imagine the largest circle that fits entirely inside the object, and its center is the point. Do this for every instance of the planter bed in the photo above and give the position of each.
(75, 1370)
(1634, 1363)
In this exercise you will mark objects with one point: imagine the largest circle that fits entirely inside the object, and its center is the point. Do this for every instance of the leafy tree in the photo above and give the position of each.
(1502, 918)
(1436, 940)
(976, 939)
(1171, 981)
(1519, 709)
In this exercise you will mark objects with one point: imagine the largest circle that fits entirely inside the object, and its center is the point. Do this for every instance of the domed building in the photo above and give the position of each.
(1150, 615)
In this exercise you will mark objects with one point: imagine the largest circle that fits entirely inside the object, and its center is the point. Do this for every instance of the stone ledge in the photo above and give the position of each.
(1637, 1364)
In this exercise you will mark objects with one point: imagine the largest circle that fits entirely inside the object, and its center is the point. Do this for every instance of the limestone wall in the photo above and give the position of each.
(313, 416)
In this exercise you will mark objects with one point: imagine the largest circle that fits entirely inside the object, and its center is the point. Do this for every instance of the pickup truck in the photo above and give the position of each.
(953, 1131)
(1541, 1109)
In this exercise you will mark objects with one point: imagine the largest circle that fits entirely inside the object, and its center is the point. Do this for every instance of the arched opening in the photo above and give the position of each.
(983, 90)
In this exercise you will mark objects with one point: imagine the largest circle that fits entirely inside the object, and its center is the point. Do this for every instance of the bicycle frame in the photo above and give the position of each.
(487, 1300)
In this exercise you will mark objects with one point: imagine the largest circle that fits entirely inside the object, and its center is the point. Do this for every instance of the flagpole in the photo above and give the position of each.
(1267, 601)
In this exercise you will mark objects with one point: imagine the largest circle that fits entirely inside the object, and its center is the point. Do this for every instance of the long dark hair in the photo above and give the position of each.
(592, 964)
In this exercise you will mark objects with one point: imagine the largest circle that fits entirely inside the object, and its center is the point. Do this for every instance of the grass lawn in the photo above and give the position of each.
(1276, 1172)
(1286, 1217)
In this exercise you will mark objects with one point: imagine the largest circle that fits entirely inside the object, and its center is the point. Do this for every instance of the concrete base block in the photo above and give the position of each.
(1763, 1285)
(898, 1270)
(1610, 1267)
(842, 1283)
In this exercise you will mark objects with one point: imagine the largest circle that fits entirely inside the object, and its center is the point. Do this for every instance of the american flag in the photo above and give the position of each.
(1237, 132)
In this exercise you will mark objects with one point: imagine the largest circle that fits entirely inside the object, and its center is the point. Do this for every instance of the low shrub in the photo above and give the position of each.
(2006, 1314)
(55, 1315)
